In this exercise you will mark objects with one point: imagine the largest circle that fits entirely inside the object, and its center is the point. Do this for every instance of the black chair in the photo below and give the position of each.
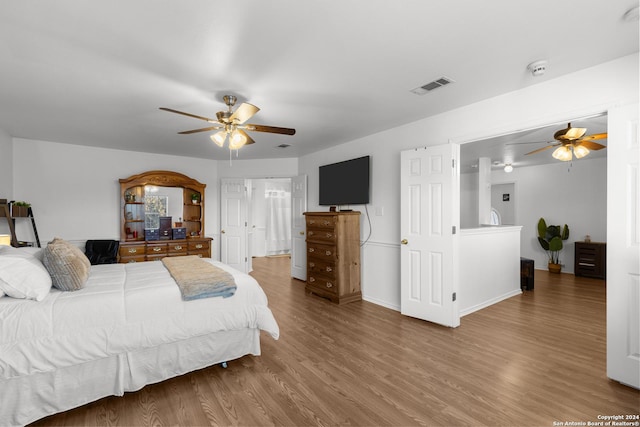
(102, 251)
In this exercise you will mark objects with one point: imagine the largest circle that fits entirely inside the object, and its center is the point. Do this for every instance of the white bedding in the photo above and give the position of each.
(124, 309)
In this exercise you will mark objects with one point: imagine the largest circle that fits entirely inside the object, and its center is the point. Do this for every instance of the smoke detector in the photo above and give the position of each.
(538, 68)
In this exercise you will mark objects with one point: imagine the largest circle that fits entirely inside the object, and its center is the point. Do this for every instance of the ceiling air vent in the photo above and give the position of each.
(442, 81)
(284, 145)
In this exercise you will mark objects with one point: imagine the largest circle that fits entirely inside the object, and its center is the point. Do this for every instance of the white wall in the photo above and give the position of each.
(75, 193)
(562, 193)
(589, 91)
(267, 168)
(6, 166)
(74, 190)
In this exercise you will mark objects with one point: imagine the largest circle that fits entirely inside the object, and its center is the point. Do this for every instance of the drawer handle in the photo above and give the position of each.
(327, 253)
(311, 250)
(310, 233)
(156, 249)
(311, 221)
(329, 235)
(199, 255)
(329, 285)
(199, 246)
(133, 250)
(311, 279)
(327, 223)
(329, 269)
(177, 247)
(131, 261)
(312, 264)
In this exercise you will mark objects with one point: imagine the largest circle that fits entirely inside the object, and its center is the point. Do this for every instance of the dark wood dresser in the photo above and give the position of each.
(590, 259)
(333, 255)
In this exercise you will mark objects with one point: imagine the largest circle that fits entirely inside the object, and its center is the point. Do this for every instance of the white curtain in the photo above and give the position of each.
(278, 198)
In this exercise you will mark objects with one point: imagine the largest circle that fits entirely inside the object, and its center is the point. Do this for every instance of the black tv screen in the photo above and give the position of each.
(345, 183)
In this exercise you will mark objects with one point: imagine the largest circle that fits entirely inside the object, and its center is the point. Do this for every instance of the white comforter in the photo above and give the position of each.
(122, 307)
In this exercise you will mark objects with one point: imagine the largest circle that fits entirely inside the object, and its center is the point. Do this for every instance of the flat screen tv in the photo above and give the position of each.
(345, 183)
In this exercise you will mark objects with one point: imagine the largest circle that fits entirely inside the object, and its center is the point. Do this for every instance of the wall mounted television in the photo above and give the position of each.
(344, 183)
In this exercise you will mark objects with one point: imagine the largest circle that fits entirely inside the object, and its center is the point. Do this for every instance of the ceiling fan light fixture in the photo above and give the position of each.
(219, 138)
(563, 153)
(580, 151)
(508, 168)
(236, 140)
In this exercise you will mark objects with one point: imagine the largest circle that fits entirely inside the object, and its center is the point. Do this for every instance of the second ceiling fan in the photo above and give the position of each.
(572, 141)
(231, 124)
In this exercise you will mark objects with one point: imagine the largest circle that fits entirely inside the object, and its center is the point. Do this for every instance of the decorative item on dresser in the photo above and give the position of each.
(142, 239)
(333, 255)
(590, 259)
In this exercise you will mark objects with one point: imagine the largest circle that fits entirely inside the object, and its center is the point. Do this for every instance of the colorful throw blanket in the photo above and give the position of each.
(199, 279)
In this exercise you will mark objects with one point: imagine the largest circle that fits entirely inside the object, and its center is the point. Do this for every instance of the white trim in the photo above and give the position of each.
(489, 302)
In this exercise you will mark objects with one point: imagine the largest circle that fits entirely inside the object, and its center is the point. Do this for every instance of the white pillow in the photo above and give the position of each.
(36, 252)
(23, 276)
(2, 294)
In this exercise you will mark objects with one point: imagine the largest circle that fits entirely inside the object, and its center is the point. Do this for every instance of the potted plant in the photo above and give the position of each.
(195, 198)
(550, 238)
(20, 209)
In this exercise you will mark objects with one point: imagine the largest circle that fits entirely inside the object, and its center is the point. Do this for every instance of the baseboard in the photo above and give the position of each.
(490, 302)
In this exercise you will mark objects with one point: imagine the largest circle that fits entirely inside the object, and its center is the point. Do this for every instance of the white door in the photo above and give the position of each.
(429, 200)
(623, 246)
(233, 223)
(298, 245)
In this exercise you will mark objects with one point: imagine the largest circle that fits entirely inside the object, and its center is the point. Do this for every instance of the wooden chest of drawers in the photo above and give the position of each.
(333, 255)
(590, 259)
(156, 250)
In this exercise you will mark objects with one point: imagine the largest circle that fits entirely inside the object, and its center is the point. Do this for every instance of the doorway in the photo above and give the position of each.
(262, 217)
(270, 217)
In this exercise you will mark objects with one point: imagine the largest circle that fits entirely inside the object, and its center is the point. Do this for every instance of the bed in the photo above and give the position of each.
(126, 327)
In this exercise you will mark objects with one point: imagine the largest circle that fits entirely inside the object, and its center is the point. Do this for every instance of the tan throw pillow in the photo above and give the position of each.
(67, 265)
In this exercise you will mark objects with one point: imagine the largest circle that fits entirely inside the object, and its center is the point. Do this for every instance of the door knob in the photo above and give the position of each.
(404, 241)
(302, 233)
(222, 231)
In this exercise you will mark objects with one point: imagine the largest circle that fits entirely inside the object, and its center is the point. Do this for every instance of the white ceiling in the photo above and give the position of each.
(94, 73)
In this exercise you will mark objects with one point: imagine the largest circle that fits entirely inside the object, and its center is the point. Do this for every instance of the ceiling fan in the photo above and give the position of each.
(231, 124)
(571, 141)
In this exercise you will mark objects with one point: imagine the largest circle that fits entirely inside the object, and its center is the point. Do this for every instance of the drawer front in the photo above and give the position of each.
(131, 250)
(323, 252)
(132, 259)
(321, 221)
(198, 246)
(154, 249)
(322, 283)
(326, 235)
(178, 248)
(319, 266)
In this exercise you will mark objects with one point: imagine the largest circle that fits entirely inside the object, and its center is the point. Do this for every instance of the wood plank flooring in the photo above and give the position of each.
(531, 360)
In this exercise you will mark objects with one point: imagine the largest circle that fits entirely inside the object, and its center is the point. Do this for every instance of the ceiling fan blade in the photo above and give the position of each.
(591, 145)
(246, 135)
(270, 129)
(186, 132)
(542, 149)
(574, 133)
(206, 119)
(594, 136)
(243, 113)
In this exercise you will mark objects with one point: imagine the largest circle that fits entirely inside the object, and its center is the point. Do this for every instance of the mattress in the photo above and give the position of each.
(122, 308)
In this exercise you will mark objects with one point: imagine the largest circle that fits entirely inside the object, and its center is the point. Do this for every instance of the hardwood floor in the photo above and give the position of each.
(531, 360)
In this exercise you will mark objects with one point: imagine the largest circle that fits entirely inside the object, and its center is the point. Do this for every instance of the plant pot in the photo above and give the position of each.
(554, 268)
(20, 211)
